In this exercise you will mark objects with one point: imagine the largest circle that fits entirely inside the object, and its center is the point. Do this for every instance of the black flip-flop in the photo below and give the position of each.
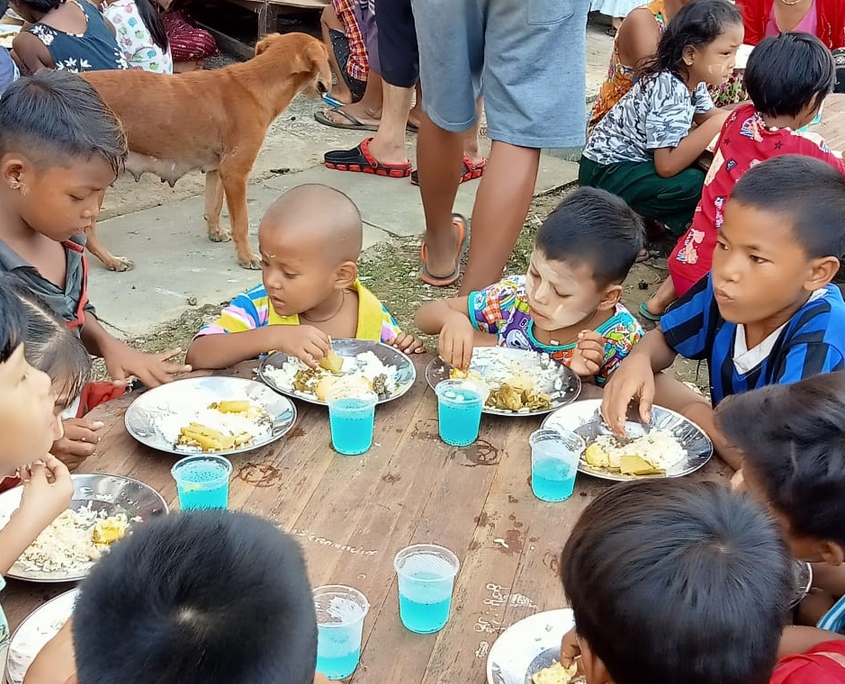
(353, 125)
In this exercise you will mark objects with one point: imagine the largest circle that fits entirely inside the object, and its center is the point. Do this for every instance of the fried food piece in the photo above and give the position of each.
(304, 379)
(636, 465)
(597, 457)
(109, 531)
(555, 674)
(240, 406)
(206, 438)
(331, 362)
(505, 398)
(328, 383)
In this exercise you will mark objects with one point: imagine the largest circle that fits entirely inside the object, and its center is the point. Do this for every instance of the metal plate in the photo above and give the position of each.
(524, 648)
(8, 32)
(156, 411)
(406, 374)
(41, 625)
(583, 418)
(438, 370)
(803, 573)
(111, 493)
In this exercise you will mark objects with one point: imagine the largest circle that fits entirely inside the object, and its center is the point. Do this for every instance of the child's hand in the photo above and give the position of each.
(78, 443)
(151, 369)
(634, 379)
(408, 344)
(47, 491)
(588, 355)
(570, 650)
(457, 339)
(305, 342)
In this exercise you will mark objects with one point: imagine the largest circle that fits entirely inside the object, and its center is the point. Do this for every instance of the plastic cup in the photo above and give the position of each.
(554, 463)
(459, 405)
(340, 622)
(202, 481)
(352, 418)
(426, 579)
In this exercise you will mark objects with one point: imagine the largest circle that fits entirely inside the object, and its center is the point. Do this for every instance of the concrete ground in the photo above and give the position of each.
(176, 267)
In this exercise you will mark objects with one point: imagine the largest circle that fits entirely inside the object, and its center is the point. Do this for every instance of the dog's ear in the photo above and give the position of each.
(314, 60)
(265, 42)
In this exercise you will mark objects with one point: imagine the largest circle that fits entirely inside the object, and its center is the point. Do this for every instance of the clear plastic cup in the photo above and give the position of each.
(426, 580)
(554, 463)
(202, 481)
(340, 623)
(352, 415)
(459, 405)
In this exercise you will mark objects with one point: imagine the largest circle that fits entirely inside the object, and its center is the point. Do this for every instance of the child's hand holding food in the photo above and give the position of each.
(47, 491)
(570, 650)
(588, 355)
(78, 443)
(408, 344)
(634, 379)
(305, 342)
(457, 339)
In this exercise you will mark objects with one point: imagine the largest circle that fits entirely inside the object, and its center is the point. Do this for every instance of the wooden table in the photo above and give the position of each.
(352, 514)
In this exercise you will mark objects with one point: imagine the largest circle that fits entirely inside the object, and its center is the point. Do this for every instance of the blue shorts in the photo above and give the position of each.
(526, 58)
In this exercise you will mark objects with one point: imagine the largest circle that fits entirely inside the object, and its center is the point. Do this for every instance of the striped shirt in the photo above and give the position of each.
(252, 310)
(834, 619)
(811, 342)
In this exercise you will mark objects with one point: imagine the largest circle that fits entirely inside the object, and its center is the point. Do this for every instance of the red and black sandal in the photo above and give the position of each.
(360, 160)
(471, 171)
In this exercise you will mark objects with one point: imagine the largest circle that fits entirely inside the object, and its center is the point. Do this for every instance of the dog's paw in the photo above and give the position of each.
(250, 262)
(219, 235)
(120, 264)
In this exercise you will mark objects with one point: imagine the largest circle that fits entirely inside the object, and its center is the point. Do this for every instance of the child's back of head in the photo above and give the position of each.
(792, 438)
(202, 597)
(790, 74)
(597, 228)
(676, 582)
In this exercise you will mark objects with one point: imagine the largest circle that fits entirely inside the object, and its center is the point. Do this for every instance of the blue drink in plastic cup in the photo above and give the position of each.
(554, 463)
(340, 624)
(459, 405)
(202, 481)
(352, 418)
(426, 579)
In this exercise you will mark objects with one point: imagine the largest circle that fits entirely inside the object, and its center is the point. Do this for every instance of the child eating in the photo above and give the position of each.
(569, 303)
(60, 148)
(767, 313)
(787, 77)
(310, 240)
(675, 582)
(645, 148)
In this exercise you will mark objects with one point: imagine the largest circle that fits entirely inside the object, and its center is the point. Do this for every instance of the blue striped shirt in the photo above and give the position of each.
(812, 341)
(834, 619)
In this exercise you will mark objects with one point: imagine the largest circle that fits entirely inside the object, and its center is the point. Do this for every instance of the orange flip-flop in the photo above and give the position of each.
(460, 224)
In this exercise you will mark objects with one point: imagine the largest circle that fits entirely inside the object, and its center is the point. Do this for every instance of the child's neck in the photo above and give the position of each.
(569, 335)
(779, 121)
(21, 237)
(758, 331)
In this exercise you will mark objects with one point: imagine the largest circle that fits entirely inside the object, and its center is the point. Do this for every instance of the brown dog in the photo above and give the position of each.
(210, 120)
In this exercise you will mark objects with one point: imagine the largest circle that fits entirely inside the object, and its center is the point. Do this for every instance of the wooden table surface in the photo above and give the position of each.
(352, 514)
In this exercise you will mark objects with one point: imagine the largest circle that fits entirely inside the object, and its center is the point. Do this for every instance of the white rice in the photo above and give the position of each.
(496, 366)
(228, 423)
(366, 365)
(659, 447)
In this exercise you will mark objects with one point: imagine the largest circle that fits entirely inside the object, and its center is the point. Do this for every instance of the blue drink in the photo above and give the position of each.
(202, 482)
(426, 579)
(352, 419)
(459, 405)
(554, 463)
(340, 624)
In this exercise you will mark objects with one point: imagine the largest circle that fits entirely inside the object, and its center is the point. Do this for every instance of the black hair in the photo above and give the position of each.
(4, 6)
(198, 597)
(149, 15)
(785, 73)
(58, 114)
(696, 25)
(808, 191)
(48, 344)
(595, 226)
(674, 581)
(792, 438)
(12, 321)
(42, 6)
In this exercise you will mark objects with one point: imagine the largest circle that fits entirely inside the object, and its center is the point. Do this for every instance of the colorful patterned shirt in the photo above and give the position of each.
(502, 310)
(135, 39)
(253, 309)
(358, 66)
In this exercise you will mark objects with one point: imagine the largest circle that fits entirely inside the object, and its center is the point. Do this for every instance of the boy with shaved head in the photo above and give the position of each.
(310, 240)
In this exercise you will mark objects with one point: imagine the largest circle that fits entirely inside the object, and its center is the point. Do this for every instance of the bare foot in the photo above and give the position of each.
(364, 114)
(414, 116)
(341, 94)
(388, 153)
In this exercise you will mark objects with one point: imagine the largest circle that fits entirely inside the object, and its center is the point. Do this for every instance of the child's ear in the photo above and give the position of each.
(832, 553)
(611, 297)
(822, 271)
(346, 274)
(11, 171)
(689, 55)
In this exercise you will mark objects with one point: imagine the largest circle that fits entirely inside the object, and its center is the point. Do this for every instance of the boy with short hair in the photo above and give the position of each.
(196, 597)
(310, 241)
(767, 313)
(675, 582)
(60, 148)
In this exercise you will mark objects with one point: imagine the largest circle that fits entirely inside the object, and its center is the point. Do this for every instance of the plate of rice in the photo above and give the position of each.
(214, 414)
(41, 625)
(354, 363)
(103, 510)
(517, 382)
(669, 446)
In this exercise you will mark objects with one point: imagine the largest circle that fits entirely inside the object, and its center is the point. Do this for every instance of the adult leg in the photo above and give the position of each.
(330, 22)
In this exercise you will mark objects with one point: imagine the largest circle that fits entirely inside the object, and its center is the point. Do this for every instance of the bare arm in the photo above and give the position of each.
(637, 38)
(55, 663)
(431, 317)
(305, 342)
(30, 54)
(797, 639)
(458, 337)
(670, 161)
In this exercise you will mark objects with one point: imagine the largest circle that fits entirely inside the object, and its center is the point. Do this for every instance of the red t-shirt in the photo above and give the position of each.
(744, 142)
(822, 664)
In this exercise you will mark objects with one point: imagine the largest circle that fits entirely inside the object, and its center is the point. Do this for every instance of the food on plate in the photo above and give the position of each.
(514, 391)
(331, 362)
(511, 398)
(223, 425)
(329, 384)
(73, 542)
(650, 454)
(555, 674)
